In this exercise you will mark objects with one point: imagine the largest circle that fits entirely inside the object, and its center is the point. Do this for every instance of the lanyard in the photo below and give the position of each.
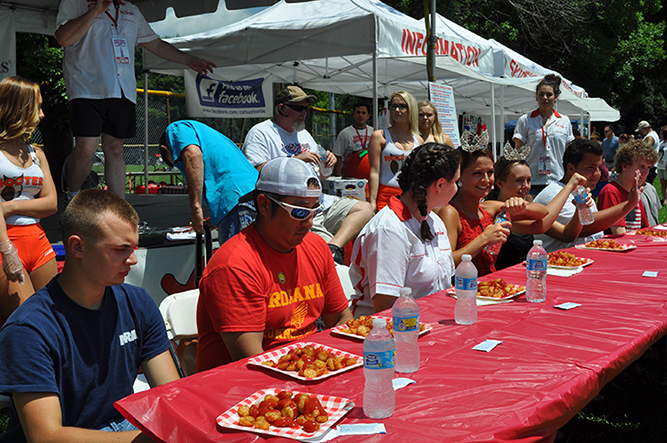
(114, 21)
(362, 140)
(544, 137)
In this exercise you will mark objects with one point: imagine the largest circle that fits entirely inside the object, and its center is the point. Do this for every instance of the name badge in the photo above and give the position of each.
(120, 49)
(543, 166)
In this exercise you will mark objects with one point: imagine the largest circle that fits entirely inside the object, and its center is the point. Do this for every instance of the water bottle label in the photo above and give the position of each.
(580, 199)
(406, 324)
(502, 217)
(380, 360)
(536, 265)
(466, 284)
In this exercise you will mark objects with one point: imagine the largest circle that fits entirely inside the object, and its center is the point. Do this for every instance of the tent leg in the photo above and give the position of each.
(145, 127)
(375, 89)
(493, 122)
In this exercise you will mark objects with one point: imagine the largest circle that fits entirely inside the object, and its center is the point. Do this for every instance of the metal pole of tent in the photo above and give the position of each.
(145, 127)
(502, 116)
(332, 119)
(493, 122)
(581, 121)
(431, 43)
(375, 88)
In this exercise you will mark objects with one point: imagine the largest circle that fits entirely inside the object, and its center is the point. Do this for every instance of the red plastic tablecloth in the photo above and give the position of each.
(550, 364)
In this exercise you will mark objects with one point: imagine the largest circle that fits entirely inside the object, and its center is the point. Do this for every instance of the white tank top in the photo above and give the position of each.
(20, 184)
(392, 159)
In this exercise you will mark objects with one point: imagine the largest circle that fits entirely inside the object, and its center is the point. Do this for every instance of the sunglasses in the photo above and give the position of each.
(401, 106)
(296, 212)
(297, 108)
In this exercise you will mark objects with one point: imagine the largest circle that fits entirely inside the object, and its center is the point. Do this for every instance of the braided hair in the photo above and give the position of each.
(425, 165)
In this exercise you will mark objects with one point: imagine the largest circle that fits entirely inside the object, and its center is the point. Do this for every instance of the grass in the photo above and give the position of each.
(662, 214)
(630, 408)
(137, 176)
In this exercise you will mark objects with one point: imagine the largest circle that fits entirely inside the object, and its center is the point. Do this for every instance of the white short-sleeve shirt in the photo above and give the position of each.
(267, 140)
(565, 215)
(90, 68)
(389, 254)
(557, 135)
(352, 140)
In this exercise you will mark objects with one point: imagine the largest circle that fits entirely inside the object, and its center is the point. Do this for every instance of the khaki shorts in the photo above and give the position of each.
(327, 223)
(662, 174)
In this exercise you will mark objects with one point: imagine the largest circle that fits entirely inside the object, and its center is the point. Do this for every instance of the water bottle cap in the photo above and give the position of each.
(468, 257)
(379, 322)
(537, 242)
(405, 291)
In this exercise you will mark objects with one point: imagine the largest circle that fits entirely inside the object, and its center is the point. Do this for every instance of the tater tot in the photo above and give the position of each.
(247, 421)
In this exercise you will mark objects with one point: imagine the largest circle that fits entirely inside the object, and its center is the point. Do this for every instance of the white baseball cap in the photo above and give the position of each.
(290, 177)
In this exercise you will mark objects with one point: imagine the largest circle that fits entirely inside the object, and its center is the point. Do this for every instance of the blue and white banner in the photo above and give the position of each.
(209, 97)
(7, 46)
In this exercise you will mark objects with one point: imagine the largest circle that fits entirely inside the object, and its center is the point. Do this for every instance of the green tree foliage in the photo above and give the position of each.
(614, 49)
(39, 58)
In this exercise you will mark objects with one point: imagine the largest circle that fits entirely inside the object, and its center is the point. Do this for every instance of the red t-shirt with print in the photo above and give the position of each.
(247, 286)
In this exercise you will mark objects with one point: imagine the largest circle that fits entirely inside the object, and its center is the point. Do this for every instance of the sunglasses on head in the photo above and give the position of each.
(296, 212)
(297, 108)
(400, 106)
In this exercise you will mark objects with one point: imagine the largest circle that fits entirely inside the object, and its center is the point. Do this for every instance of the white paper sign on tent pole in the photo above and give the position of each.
(442, 97)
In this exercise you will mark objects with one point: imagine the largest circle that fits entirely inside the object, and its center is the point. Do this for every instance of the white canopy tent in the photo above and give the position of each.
(39, 17)
(359, 47)
(512, 100)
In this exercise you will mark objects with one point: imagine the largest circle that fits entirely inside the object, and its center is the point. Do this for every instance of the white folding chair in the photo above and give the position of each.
(180, 319)
(180, 314)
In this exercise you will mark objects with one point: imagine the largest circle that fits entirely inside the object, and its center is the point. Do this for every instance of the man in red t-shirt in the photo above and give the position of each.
(267, 285)
(633, 162)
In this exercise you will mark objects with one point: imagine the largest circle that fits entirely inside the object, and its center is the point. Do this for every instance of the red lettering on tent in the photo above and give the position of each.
(408, 44)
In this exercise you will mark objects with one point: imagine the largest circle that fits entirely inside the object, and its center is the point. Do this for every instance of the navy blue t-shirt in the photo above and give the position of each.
(90, 358)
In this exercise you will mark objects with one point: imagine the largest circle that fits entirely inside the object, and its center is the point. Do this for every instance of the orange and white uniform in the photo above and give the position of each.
(25, 232)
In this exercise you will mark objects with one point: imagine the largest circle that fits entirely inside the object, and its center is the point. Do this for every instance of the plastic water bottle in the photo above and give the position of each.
(405, 314)
(465, 311)
(324, 171)
(585, 213)
(379, 360)
(495, 248)
(536, 271)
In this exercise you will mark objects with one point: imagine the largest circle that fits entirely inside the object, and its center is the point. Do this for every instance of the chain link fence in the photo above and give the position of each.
(165, 109)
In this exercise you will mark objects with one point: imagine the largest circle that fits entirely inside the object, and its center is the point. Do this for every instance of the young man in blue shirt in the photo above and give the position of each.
(75, 347)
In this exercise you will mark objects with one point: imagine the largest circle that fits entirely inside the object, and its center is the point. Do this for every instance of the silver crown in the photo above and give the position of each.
(515, 155)
(471, 142)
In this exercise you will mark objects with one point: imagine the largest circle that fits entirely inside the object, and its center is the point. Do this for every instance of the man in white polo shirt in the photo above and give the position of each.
(99, 37)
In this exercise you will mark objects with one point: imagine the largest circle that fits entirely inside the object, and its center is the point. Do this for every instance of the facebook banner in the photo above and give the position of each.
(208, 97)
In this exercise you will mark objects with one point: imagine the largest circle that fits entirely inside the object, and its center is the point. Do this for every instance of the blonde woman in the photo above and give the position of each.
(27, 190)
(389, 148)
(430, 128)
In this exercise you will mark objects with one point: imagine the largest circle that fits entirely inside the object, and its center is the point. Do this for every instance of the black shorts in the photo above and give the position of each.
(113, 116)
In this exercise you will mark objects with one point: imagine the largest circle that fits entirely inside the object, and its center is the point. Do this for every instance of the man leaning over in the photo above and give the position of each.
(217, 173)
(268, 285)
(75, 347)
